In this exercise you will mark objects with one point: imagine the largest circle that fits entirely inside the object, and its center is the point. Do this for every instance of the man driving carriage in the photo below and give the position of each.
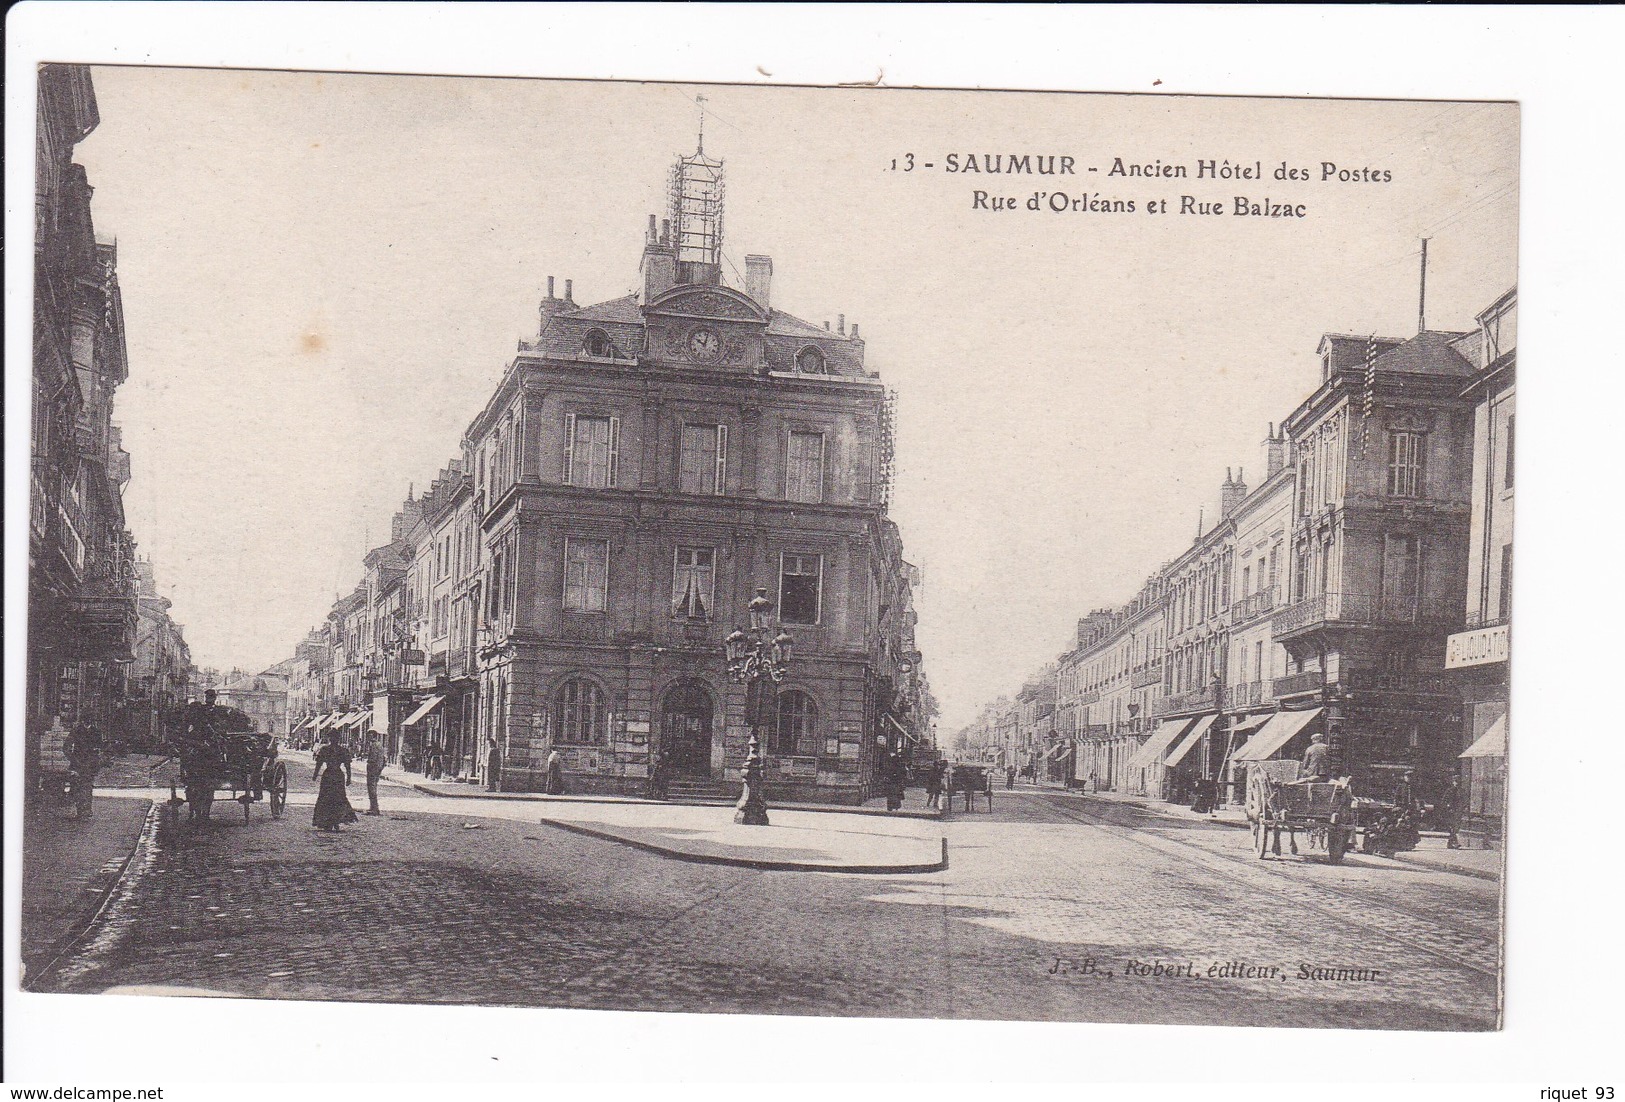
(1317, 760)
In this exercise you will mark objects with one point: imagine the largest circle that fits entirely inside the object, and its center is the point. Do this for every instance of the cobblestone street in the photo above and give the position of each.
(1045, 903)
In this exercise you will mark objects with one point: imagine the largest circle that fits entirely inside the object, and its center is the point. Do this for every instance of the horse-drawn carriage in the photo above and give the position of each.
(1278, 803)
(970, 779)
(245, 763)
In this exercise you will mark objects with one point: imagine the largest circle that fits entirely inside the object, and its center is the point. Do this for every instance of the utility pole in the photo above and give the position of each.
(1422, 297)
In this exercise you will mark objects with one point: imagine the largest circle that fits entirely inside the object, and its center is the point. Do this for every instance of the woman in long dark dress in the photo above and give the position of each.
(332, 802)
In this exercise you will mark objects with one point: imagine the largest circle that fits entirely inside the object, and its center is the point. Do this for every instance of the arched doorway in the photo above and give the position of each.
(685, 731)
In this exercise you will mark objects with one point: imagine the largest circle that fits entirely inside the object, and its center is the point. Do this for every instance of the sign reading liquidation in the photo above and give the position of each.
(1476, 648)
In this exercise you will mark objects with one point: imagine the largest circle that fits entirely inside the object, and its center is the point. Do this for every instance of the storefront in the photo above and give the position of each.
(1478, 661)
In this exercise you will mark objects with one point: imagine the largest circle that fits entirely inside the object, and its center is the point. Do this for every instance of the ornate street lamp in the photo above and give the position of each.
(757, 659)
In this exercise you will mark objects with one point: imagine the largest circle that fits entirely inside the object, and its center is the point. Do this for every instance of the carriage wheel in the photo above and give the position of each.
(279, 790)
(1261, 837)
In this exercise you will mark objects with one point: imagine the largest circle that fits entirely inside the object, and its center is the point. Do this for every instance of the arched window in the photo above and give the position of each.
(579, 715)
(597, 344)
(798, 717)
(810, 361)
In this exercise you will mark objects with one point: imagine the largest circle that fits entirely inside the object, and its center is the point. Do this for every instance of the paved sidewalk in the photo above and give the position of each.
(1484, 864)
(69, 866)
(135, 771)
(796, 841)
(912, 809)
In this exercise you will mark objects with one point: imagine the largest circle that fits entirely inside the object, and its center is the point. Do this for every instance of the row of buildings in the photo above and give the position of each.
(1360, 588)
(567, 582)
(103, 649)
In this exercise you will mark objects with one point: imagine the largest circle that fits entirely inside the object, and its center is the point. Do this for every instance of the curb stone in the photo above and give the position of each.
(760, 864)
(105, 884)
(537, 797)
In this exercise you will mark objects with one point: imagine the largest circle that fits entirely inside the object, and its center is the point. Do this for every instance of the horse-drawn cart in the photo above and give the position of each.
(970, 780)
(243, 763)
(1278, 803)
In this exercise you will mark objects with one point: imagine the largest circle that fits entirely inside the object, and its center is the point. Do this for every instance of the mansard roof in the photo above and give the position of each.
(1431, 352)
(624, 310)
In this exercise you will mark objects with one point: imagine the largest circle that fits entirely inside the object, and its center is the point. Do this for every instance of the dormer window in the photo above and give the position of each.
(597, 344)
(810, 361)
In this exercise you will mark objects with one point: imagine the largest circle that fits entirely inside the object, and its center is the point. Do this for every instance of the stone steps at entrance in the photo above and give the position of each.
(680, 790)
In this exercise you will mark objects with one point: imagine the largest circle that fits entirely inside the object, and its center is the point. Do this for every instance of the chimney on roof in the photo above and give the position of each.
(1274, 452)
(651, 239)
(1231, 494)
(759, 280)
(569, 291)
(551, 306)
(659, 263)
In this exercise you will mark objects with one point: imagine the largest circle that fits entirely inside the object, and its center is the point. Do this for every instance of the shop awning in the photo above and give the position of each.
(1058, 751)
(1151, 749)
(1491, 744)
(904, 731)
(1192, 737)
(1251, 723)
(363, 716)
(423, 709)
(327, 721)
(308, 721)
(1276, 734)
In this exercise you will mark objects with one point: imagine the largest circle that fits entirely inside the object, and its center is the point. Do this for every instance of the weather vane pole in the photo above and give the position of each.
(700, 100)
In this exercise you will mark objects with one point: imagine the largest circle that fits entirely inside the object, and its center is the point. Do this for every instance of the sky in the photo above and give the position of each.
(325, 275)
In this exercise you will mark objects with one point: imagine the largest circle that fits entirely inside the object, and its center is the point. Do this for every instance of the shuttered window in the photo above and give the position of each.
(1405, 452)
(704, 460)
(591, 451)
(804, 467)
(586, 575)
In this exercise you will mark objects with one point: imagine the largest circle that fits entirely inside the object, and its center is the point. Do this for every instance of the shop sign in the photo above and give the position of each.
(1476, 648)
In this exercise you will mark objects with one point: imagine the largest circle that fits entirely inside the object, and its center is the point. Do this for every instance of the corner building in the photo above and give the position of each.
(645, 464)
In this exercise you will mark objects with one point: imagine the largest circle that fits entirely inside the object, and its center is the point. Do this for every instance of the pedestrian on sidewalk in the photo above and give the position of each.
(1448, 812)
(332, 802)
(933, 785)
(555, 773)
(84, 751)
(893, 780)
(1009, 776)
(493, 764)
(375, 770)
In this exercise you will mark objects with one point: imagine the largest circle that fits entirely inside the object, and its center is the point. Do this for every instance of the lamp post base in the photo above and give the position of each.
(752, 811)
(752, 806)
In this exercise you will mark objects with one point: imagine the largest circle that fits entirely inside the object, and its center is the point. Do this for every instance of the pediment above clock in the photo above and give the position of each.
(719, 303)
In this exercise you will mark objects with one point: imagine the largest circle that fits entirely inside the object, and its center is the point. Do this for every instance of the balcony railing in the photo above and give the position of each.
(1252, 607)
(1244, 695)
(1297, 683)
(1148, 676)
(1363, 608)
(1485, 618)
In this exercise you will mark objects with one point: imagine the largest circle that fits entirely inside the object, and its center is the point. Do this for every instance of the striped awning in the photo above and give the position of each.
(1151, 750)
(1192, 737)
(1491, 744)
(1275, 734)
(423, 709)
